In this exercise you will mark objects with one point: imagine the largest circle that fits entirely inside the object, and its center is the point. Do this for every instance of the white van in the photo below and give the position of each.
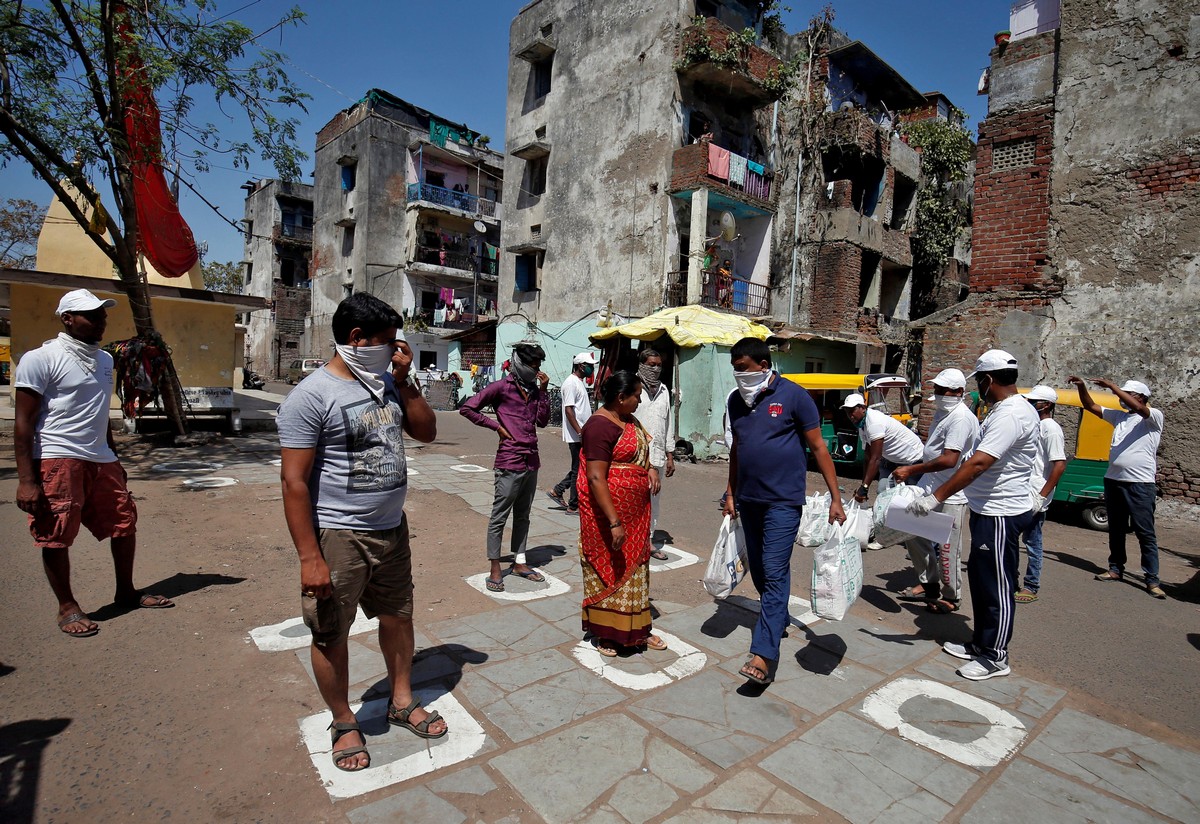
(300, 369)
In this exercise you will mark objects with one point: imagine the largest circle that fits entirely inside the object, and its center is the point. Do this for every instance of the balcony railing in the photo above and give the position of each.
(462, 201)
(291, 233)
(464, 261)
(723, 292)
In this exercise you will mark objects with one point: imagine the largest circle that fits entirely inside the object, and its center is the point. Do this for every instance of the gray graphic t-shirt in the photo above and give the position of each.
(359, 477)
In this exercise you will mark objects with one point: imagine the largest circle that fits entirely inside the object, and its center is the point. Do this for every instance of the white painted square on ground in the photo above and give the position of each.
(469, 468)
(292, 634)
(550, 587)
(799, 610)
(464, 740)
(689, 662)
(678, 559)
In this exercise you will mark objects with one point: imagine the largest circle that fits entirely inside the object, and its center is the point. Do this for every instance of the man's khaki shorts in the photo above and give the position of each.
(83, 493)
(372, 569)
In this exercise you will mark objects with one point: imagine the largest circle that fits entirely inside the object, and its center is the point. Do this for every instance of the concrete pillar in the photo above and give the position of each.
(699, 232)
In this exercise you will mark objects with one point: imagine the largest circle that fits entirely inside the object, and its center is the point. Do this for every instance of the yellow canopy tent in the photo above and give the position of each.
(689, 327)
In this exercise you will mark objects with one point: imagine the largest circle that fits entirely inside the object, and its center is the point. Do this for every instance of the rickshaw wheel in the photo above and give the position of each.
(1095, 517)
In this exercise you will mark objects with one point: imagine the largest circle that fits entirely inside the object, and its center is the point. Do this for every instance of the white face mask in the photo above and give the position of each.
(749, 384)
(944, 404)
(367, 363)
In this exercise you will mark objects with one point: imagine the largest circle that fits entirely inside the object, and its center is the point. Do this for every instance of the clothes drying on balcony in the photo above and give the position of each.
(756, 168)
(737, 169)
(718, 161)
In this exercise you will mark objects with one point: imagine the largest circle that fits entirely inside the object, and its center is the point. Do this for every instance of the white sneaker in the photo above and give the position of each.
(874, 545)
(980, 669)
(963, 651)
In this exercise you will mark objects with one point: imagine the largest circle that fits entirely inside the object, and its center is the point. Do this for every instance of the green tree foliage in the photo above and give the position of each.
(223, 277)
(20, 223)
(68, 69)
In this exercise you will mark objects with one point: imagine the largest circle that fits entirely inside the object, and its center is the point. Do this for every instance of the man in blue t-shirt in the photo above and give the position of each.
(772, 419)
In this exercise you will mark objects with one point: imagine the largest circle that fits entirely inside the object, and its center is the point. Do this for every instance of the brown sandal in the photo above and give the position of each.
(399, 717)
(656, 643)
(337, 730)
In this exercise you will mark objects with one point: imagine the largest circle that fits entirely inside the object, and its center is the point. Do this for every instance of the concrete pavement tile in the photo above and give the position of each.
(515, 673)
(471, 781)
(1014, 692)
(868, 775)
(539, 708)
(1025, 792)
(604, 815)
(591, 759)
(475, 498)
(556, 608)
(749, 792)
(1156, 775)
(719, 627)
(815, 679)
(707, 715)
(865, 644)
(366, 664)
(501, 633)
(539, 527)
(641, 797)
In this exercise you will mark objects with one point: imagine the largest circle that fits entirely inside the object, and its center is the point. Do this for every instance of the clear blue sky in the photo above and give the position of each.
(451, 57)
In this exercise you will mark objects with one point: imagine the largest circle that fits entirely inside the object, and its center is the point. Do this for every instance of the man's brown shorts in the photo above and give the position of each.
(372, 569)
(82, 492)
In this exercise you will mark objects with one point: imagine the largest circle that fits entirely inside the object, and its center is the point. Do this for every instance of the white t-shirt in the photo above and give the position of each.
(1010, 435)
(1052, 446)
(73, 420)
(575, 395)
(1134, 445)
(901, 445)
(958, 431)
(654, 413)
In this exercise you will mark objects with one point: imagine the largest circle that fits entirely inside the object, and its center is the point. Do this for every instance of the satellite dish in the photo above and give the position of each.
(481, 227)
(728, 226)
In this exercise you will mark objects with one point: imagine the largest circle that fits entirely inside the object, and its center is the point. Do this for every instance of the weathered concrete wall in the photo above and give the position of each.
(611, 121)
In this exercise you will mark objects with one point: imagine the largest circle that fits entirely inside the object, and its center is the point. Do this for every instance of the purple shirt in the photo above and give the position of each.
(516, 411)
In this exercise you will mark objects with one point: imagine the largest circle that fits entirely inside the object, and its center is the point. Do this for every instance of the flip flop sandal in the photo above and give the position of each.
(659, 555)
(912, 594)
(494, 585)
(337, 730)
(942, 607)
(557, 498)
(145, 600)
(656, 643)
(72, 618)
(605, 648)
(399, 718)
(762, 681)
(1025, 597)
(531, 575)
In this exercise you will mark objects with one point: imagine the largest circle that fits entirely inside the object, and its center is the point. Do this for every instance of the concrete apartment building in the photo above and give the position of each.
(1087, 211)
(278, 227)
(407, 206)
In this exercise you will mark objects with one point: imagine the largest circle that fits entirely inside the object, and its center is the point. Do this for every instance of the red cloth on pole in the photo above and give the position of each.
(163, 235)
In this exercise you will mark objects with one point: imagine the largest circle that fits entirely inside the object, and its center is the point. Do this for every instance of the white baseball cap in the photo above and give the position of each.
(1136, 386)
(584, 357)
(81, 300)
(993, 360)
(852, 400)
(1041, 392)
(950, 379)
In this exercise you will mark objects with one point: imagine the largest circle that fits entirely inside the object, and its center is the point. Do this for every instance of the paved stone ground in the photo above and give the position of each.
(861, 724)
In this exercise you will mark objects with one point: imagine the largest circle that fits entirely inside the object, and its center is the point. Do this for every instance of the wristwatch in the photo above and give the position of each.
(863, 490)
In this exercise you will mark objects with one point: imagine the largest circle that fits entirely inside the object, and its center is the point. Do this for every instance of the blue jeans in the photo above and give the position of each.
(1130, 501)
(770, 531)
(1033, 546)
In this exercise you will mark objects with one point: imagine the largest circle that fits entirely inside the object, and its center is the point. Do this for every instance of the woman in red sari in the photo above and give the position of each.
(614, 522)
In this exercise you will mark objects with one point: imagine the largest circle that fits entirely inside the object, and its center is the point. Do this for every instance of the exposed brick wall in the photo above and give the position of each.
(1010, 246)
(290, 307)
(1170, 176)
(854, 128)
(835, 288)
(689, 171)
(842, 195)
(759, 62)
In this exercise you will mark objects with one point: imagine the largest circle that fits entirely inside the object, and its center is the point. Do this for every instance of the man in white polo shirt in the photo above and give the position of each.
(888, 442)
(1048, 467)
(1129, 487)
(952, 437)
(996, 481)
(67, 468)
(576, 408)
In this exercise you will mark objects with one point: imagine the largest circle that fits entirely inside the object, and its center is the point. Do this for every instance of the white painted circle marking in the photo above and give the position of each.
(209, 483)
(468, 468)
(679, 559)
(689, 662)
(552, 586)
(276, 462)
(1001, 741)
(186, 466)
(292, 634)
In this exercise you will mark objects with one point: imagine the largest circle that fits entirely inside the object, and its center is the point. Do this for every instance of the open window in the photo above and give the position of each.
(528, 266)
(540, 75)
(903, 193)
(535, 175)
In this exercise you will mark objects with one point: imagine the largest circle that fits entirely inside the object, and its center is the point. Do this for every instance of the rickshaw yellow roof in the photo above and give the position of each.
(688, 326)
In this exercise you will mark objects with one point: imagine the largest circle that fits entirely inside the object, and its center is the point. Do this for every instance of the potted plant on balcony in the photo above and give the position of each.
(1003, 37)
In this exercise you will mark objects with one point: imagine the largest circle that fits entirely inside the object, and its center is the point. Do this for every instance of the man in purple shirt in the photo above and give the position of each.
(521, 405)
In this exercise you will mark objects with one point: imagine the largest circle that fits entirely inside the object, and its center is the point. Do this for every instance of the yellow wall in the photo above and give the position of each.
(64, 247)
(201, 335)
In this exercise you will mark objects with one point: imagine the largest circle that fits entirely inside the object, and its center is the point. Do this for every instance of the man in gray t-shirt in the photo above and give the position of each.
(344, 483)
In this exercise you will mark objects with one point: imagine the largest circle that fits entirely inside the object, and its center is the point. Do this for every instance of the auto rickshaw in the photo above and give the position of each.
(884, 391)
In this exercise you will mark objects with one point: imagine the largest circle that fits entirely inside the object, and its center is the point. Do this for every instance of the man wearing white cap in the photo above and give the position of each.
(1048, 467)
(952, 437)
(67, 468)
(996, 481)
(888, 442)
(654, 413)
(577, 408)
(1129, 488)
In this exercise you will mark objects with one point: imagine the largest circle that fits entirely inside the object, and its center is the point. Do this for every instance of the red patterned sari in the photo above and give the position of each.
(616, 584)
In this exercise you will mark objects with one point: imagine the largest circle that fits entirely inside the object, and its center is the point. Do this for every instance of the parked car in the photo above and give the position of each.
(300, 369)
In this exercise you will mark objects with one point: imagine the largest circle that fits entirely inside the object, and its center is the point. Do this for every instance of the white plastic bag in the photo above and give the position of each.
(728, 564)
(837, 574)
(858, 521)
(883, 499)
(814, 521)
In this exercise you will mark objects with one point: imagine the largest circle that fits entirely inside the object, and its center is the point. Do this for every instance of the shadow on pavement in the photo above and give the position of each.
(181, 583)
(1194, 639)
(441, 684)
(541, 555)
(21, 746)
